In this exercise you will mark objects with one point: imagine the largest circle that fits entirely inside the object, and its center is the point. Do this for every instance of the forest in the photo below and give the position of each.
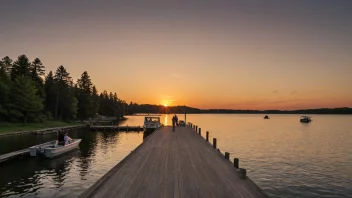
(28, 94)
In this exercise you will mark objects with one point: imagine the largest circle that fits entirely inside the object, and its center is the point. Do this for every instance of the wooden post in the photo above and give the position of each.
(243, 173)
(227, 155)
(214, 143)
(196, 128)
(236, 161)
(207, 136)
(200, 131)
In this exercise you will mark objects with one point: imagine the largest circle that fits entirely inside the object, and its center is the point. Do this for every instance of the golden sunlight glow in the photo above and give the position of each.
(165, 105)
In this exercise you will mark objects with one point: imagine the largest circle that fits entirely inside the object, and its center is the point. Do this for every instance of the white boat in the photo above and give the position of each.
(181, 123)
(151, 123)
(305, 119)
(37, 149)
(52, 149)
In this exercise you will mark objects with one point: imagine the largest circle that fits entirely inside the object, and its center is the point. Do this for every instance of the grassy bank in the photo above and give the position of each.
(16, 127)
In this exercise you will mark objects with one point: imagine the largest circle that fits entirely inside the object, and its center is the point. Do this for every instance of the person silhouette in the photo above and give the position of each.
(173, 123)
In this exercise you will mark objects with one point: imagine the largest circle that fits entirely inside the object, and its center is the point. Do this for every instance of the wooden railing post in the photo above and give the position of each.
(207, 136)
(227, 155)
(214, 143)
(236, 162)
(196, 128)
(200, 131)
(243, 173)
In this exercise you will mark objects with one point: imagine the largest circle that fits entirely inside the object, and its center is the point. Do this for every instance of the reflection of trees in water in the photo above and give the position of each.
(95, 143)
(26, 176)
(19, 179)
(88, 144)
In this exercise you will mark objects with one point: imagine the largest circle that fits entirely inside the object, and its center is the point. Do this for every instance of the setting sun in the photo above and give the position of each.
(165, 105)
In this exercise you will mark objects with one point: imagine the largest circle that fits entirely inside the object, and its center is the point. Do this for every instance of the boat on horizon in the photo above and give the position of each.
(266, 117)
(305, 119)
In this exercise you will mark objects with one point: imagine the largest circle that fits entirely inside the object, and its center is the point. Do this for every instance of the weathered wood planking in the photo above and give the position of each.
(8, 156)
(174, 164)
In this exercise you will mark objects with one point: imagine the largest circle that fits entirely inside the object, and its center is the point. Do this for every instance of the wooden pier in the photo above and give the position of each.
(116, 128)
(14, 154)
(175, 164)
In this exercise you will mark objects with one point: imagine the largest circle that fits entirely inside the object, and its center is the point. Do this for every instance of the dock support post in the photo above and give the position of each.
(207, 136)
(236, 161)
(200, 131)
(227, 155)
(243, 173)
(214, 143)
(196, 128)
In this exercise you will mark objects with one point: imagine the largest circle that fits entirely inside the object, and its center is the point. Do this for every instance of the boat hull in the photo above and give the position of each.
(33, 151)
(53, 152)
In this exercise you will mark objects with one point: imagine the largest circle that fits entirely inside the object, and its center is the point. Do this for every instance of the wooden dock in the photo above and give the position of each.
(14, 154)
(175, 164)
(116, 128)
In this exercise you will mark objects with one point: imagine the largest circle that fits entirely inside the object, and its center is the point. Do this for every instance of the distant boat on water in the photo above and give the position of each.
(266, 117)
(305, 119)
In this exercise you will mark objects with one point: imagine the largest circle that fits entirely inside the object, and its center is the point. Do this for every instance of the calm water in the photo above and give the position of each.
(284, 157)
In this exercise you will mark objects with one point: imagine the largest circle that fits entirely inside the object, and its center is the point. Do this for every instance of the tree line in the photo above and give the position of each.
(134, 108)
(28, 95)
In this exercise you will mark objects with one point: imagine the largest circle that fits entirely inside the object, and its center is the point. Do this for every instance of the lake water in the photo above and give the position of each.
(283, 156)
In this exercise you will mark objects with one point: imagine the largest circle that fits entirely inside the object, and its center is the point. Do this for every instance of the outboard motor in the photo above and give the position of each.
(40, 152)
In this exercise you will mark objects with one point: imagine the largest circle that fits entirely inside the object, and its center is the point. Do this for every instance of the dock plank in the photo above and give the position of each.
(174, 164)
(7, 156)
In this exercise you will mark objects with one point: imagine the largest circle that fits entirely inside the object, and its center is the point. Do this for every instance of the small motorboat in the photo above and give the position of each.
(266, 117)
(305, 119)
(151, 123)
(181, 123)
(52, 149)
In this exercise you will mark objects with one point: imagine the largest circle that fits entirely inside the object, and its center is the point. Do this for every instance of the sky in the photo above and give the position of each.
(202, 53)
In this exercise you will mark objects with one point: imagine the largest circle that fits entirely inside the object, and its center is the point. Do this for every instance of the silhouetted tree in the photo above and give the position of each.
(25, 101)
(21, 67)
(6, 65)
(84, 95)
(4, 92)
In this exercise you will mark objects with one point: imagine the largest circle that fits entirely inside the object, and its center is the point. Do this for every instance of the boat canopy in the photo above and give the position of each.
(151, 119)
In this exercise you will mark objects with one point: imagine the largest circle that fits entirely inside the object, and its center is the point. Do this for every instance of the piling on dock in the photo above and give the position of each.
(175, 164)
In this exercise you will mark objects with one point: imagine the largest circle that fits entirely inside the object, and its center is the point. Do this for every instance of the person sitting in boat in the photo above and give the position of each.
(67, 139)
(61, 139)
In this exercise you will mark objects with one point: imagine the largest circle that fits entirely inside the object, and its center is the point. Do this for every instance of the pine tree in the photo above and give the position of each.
(50, 92)
(4, 92)
(21, 67)
(85, 83)
(86, 106)
(24, 101)
(96, 100)
(62, 79)
(6, 64)
(37, 68)
(37, 71)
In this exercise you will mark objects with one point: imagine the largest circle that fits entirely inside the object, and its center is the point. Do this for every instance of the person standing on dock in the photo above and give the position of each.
(176, 120)
(173, 122)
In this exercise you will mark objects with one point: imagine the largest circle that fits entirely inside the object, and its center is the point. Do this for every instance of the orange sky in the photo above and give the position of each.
(230, 55)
